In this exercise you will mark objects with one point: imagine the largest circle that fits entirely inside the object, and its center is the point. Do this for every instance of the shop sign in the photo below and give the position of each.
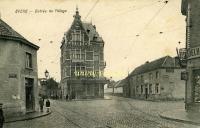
(193, 52)
(12, 75)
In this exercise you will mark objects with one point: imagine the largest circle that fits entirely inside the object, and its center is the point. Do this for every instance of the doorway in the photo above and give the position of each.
(146, 92)
(29, 94)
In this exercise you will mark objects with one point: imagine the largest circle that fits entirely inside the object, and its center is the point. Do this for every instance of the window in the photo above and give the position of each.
(73, 71)
(73, 53)
(89, 55)
(82, 73)
(78, 37)
(142, 89)
(67, 54)
(82, 37)
(157, 88)
(83, 55)
(78, 70)
(157, 75)
(78, 55)
(67, 71)
(28, 60)
(150, 89)
(150, 76)
(96, 57)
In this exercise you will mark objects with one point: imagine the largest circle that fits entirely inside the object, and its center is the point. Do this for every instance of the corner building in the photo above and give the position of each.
(190, 8)
(82, 61)
(18, 72)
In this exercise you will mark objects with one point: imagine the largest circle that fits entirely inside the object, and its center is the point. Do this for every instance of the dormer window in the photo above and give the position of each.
(88, 31)
(95, 37)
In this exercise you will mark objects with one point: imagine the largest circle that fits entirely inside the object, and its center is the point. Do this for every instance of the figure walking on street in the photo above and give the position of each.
(41, 102)
(48, 105)
(67, 97)
(1, 116)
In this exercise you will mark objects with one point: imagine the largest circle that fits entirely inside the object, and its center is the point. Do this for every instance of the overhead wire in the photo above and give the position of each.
(114, 16)
(127, 11)
(91, 9)
(145, 26)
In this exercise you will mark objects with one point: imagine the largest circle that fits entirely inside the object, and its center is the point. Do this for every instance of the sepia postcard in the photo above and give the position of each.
(99, 64)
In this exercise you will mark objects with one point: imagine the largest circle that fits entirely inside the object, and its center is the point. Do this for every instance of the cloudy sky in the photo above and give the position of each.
(134, 31)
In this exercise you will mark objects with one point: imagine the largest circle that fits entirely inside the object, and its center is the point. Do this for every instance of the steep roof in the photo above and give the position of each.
(7, 32)
(164, 62)
(92, 31)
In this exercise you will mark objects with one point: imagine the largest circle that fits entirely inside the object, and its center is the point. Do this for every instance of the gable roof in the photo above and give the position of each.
(164, 62)
(7, 32)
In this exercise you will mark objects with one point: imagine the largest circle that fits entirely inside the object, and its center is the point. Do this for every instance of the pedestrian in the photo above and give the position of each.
(41, 102)
(48, 105)
(67, 97)
(1, 116)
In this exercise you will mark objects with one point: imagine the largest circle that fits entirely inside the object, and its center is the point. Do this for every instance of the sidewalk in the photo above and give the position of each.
(27, 116)
(180, 115)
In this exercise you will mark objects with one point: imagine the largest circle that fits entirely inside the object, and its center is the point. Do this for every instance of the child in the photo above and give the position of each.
(48, 105)
(41, 102)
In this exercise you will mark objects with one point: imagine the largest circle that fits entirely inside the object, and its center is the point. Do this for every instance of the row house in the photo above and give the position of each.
(156, 80)
(82, 61)
(18, 71)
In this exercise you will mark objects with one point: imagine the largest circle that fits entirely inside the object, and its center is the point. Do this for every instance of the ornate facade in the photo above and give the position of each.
(82, 61)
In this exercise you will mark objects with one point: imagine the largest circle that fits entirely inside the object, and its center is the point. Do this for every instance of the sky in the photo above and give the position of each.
(134, 31)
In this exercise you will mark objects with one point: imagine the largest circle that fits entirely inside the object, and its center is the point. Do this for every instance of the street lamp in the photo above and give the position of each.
(46, 73)
(112, 84)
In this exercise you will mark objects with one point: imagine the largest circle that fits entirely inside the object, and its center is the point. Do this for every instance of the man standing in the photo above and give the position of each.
(1, 116)
(41, 102)
(48, 105)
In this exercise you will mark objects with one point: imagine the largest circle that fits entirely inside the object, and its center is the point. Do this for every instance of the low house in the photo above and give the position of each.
(18, 71)
(159, 79)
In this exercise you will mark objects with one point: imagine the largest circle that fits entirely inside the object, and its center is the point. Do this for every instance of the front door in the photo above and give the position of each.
(196, 86)
(29, 94)
(146, 93)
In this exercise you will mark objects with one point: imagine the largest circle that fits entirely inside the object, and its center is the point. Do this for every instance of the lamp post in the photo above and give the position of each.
(113, 89)
(46, 73)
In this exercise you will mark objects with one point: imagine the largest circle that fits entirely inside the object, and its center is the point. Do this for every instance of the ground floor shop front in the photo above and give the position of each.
(192, 97)
(83, 89)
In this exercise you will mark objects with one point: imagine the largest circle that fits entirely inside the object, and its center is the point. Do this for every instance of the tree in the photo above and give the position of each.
(52, 87)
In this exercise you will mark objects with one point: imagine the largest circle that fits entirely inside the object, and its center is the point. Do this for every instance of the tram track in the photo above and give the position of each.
(80, 115)
(63, 115)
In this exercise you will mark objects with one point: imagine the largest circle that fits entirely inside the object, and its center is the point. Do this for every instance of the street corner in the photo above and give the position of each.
(181, 115)
(27, 116)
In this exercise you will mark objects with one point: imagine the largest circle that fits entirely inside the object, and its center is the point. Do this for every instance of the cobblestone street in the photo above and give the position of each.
(116, 113)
